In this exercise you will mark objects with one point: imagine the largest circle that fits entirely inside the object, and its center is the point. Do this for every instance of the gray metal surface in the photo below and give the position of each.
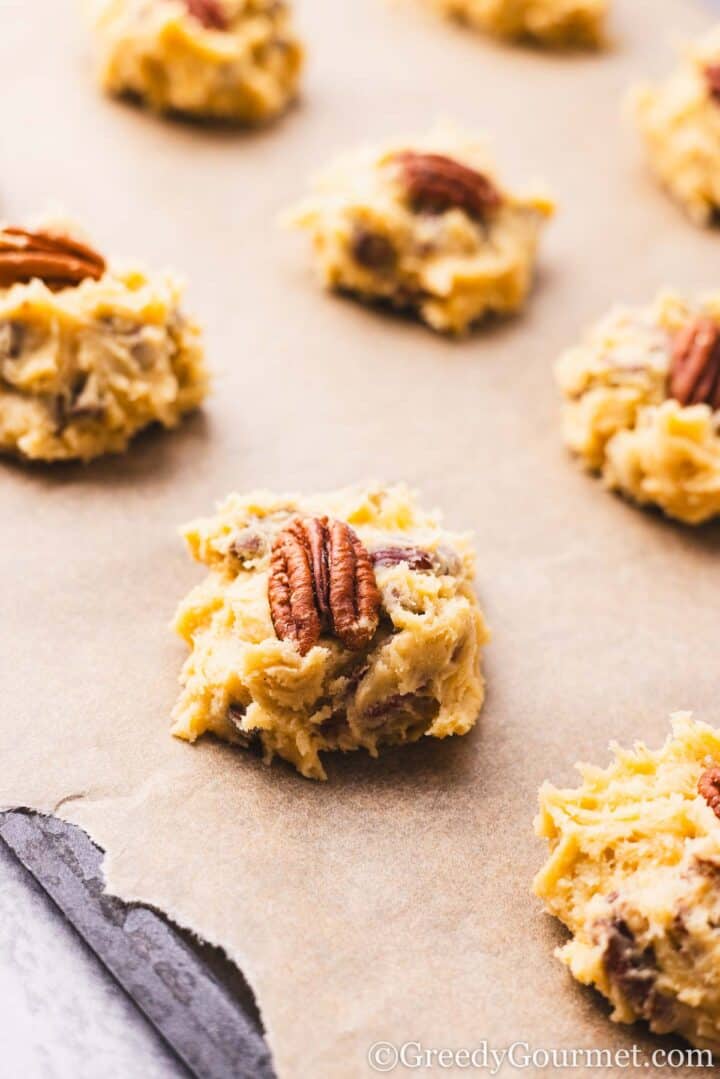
(194, 997)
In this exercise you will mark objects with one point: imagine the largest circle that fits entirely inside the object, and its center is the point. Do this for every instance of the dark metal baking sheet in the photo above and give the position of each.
(195, 998)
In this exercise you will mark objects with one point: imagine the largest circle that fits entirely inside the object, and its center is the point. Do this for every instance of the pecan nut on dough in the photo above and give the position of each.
(425, 226)
(329, 622)
(89, 354)
(680, 122)
(236, 60)
(633, 873)
(555, 23)
(642, 404)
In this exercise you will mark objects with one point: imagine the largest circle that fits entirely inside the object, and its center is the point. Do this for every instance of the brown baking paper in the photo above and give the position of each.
(392, 902)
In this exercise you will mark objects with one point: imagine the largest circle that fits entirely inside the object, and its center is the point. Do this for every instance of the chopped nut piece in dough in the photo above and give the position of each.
(426, 226)
(313, 632)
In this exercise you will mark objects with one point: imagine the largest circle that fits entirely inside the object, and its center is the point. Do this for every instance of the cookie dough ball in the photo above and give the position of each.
(642, 404)
(89, 355)
(425, 225)
(556, 23)
(236, 60)
(633, 873)
(680, 122)
(329, 622)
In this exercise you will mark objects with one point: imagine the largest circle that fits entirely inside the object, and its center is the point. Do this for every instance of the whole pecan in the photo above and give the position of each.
(709, 788)
(322, 579)
(712, 78)
(209, 13)
(435, 183)
(57, 260)
(695, 365)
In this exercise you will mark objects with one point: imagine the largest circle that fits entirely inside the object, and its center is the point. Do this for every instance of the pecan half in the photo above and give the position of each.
(209, 13)
(59, 261)
(712, 78)
(695, 365)
(372, 250)
(321, 578)
(709, 787)
(415, 557)
(435, 183)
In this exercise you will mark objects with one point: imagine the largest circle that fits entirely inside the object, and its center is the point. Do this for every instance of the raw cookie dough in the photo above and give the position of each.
(557, 23)
(329, 638)
(425, 225)
(680, 121)
(88, 355)
(633, 873)
(233, 60)
(642, 404)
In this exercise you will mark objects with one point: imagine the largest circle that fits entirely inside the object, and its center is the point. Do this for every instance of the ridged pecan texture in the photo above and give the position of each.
(322, 580)
(695, 366)
(435, 183)
(59, 261)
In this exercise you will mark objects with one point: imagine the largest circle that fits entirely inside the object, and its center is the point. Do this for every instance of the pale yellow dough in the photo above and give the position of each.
(680, 122)
(420, 675)
(633, 873)
(618, 420)
(448, 268)
(82, 370)
(556, 23)
(159, 52)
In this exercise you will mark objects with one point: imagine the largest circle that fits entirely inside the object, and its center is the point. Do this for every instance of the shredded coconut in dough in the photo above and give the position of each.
(419, 675)
(633, 873)
(446, 265)
(680, 122)
(85, 368)
(159, 51)
(618, 419)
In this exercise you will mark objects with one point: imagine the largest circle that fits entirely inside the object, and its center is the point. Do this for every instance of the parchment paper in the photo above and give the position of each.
(392, 902)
